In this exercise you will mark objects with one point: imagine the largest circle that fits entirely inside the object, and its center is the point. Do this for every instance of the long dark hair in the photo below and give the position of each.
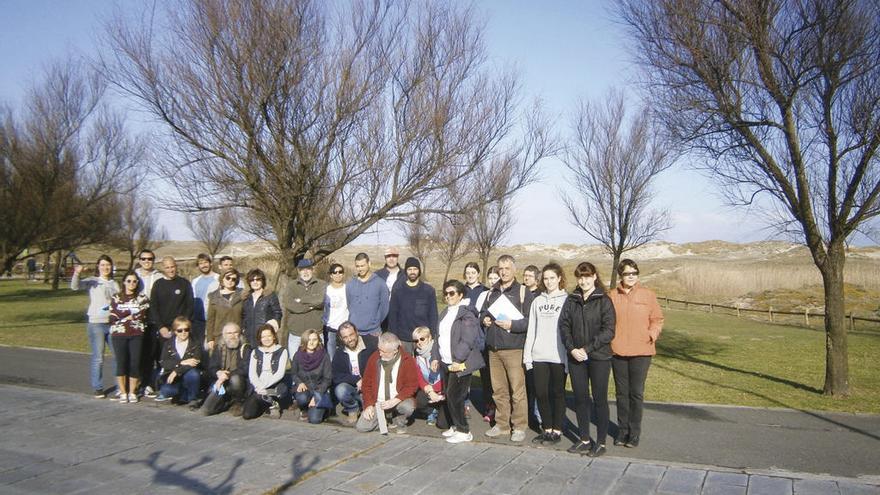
(106, 258)
(555, 268)
(587, 269)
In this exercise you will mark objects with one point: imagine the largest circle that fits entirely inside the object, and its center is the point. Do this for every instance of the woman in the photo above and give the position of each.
(224, 306)
(128, 320)
(430, 384)
(101, 290)
(181, 356)
(586, 325)
(472, 284)
(265, 372)
(312, 374)
(458, 350)
(335, 307)
(639, 322)
(545, 354)
(492, 277)
(260, 307)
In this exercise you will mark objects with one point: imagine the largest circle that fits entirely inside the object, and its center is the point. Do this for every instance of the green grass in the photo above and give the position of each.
(702, 357)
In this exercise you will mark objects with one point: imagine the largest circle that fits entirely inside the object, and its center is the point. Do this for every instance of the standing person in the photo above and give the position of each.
(146, 272)
(367, 297)
(531, 279)
(31, 269)
(266, 374)
(348, 367)
(505, 339)
(260, 307)
(459, 352)
(492, 278)
(225, 264)
(128, 321)
(224, 306)
(228, 368)
(586, 325)
(101, 290)
(312, 375)
(171, 297)
(639, 322)
(472, 284)
(335, 307)
(204, 283)
(413, 304)
(303, 305)
(390, 273)
(181, 377)
(544, 353)
(150, 343)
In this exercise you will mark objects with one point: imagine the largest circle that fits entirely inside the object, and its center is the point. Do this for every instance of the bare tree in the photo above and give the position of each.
(420, 239)
(64, 161)
(490, 221)
(213, 228)
(138, 229)
(613, 159)
(783, 99)
(317, 122)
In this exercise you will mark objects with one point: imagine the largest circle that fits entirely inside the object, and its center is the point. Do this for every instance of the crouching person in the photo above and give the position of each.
(181, 355)
(390, 382)
(265, 373)
(228, 367)
(310, 369)
(349, 363)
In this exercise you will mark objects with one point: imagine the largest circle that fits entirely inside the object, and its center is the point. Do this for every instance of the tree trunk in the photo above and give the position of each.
(614, 262)
(446, 273)
(47, 264)
(56, 272)
(484, 258)
(836, 353)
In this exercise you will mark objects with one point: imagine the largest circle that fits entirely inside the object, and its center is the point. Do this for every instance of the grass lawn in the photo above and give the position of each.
(702, 357)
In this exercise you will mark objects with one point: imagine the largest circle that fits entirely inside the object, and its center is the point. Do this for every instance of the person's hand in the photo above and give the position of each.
(302, 387)
(259, 391)
(312, 402)
(171, 377)
(358, 384)
(434, 396)
(209, 345)
(368, 413)
(77, 269)
(505, 324)
(390, 404)
(579, 355)
(435, 365)
(222, 376)
(487, 321)
(529, 366)
(192, 362)
(165, 333)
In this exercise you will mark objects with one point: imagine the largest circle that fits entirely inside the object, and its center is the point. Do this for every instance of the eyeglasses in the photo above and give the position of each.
(234, 279)
(131, 281)
(147, 259)
(450, 293)
(423, 339)
(337, 272)
(629, 274)
(181, 330)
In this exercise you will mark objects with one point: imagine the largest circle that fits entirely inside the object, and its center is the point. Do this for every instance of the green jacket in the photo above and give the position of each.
(303, 305)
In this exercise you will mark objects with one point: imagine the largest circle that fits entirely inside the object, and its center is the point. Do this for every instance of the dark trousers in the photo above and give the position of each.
(424, 406)
(587, 376)
(630, 374)
(127, 350)
(550, 393)
(458, 386)
(256, 405)
(150, 350)
(236, 388)
(486, 382)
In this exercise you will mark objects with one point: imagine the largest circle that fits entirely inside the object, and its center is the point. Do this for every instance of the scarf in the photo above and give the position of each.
(230, 357)
(309, 360)
(388, 366)
(424, 353)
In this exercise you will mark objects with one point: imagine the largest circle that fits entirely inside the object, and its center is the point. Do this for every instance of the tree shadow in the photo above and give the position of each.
(47, 318)
(174, 475)
(31, 293)
(299, 472)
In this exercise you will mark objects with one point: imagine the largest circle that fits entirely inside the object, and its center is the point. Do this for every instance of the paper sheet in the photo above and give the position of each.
(503, 309)
(380, 417)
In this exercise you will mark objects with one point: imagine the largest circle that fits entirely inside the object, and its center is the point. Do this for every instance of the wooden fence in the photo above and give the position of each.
(805, 318)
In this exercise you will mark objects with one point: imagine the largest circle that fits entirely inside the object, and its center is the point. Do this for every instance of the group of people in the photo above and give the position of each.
(377, 346)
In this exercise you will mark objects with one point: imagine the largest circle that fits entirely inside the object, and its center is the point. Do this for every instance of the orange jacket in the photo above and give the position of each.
(639, 321)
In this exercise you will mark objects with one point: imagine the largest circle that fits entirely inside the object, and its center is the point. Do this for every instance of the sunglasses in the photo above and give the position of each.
(234, 279)
(147, 259)
(450, 293)
(629, 274)
(131, 281)
(181, 330)
(423, 339)
(337, 272)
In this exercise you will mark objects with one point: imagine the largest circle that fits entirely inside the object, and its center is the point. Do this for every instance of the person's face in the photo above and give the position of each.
(349, 338)
(204, 266)
(412, 273)
(313, 342)
(146, 260)
(471, 275)
(387, 353)
(169, 268)
(506, 271)
(452, 296)
(391, 260)
(225, 265)
(337, 275)
(230, 281)
(492, 278)
(424, 341)
(231, 337)
(182, 332)
(529, 279)
(362, 267)
(305, 274)
(104, 268)
(551, 280)
(257, 282)
(629, 276)
(587, 282)
(266, 338)
(130, 284)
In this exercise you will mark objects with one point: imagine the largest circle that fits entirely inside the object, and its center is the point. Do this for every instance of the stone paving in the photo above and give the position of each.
(59, 442)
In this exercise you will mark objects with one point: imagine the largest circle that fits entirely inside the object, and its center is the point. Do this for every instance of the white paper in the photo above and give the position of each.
(503, 309)
(380, 417)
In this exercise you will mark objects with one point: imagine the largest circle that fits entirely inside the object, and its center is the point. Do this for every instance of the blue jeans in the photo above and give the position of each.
(191, 381)
(349, 396)
(293, 343)
(99, 338)
(316, 414)
(330, 341)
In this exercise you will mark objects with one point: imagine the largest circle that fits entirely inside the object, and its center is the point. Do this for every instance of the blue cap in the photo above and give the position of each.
(304, 263)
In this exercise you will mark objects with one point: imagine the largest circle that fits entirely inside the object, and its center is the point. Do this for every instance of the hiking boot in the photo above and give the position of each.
(517, 436)
(351, 417)
(582, 448)
(493, 431)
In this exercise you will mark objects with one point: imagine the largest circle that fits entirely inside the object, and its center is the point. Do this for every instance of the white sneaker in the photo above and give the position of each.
(133, 398)
(448, 433)
(149, 392)
(460, 437)
(493, 431)
(119, 396)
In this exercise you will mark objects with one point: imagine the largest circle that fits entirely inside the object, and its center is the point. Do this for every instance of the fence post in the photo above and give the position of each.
(807, 316)
(852, 322)
(737, 311)
(711, 308)
(687, 306)
(667, 301)
(771, 314)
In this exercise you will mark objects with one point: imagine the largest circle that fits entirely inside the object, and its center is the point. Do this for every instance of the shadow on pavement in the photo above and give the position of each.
(172, 475)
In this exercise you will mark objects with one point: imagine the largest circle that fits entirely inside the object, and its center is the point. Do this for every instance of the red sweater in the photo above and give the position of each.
(407, 378)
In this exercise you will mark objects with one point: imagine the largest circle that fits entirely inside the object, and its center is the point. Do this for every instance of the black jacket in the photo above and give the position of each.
(498, 338)
(171, 361)
(464, 341)
(253, 315)
(215, 364)
(169, 299)
(588, 324)
(342, 365)
(318, 380)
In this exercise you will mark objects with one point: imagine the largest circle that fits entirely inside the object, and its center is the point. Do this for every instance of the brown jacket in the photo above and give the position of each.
(639, 321)
(222, 311)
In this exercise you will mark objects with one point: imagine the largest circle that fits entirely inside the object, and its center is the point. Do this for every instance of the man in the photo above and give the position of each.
(413, 304)
(349, 365)
(390, 382)
(203, 284)
(225, 264)
(391, 271)
(228, 367)
(150, 345)
(145, 271)
(367, 297)
(505, 339)
(531, 275)
(171, 297)
(303, 305)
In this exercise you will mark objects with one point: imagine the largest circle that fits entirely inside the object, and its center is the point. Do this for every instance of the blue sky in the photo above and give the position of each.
(563, 50)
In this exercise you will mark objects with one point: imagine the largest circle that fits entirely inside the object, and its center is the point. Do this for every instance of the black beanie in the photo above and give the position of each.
(412, 261)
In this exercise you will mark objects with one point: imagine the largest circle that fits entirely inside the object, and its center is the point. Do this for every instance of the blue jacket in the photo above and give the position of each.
(367, 303)
(342, 365)
(412, 307)
(253, 315)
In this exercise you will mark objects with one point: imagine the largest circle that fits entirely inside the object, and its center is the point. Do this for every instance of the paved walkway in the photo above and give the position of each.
(65, 442)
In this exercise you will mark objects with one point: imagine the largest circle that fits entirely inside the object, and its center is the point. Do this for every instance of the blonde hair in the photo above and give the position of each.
(420, 331)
